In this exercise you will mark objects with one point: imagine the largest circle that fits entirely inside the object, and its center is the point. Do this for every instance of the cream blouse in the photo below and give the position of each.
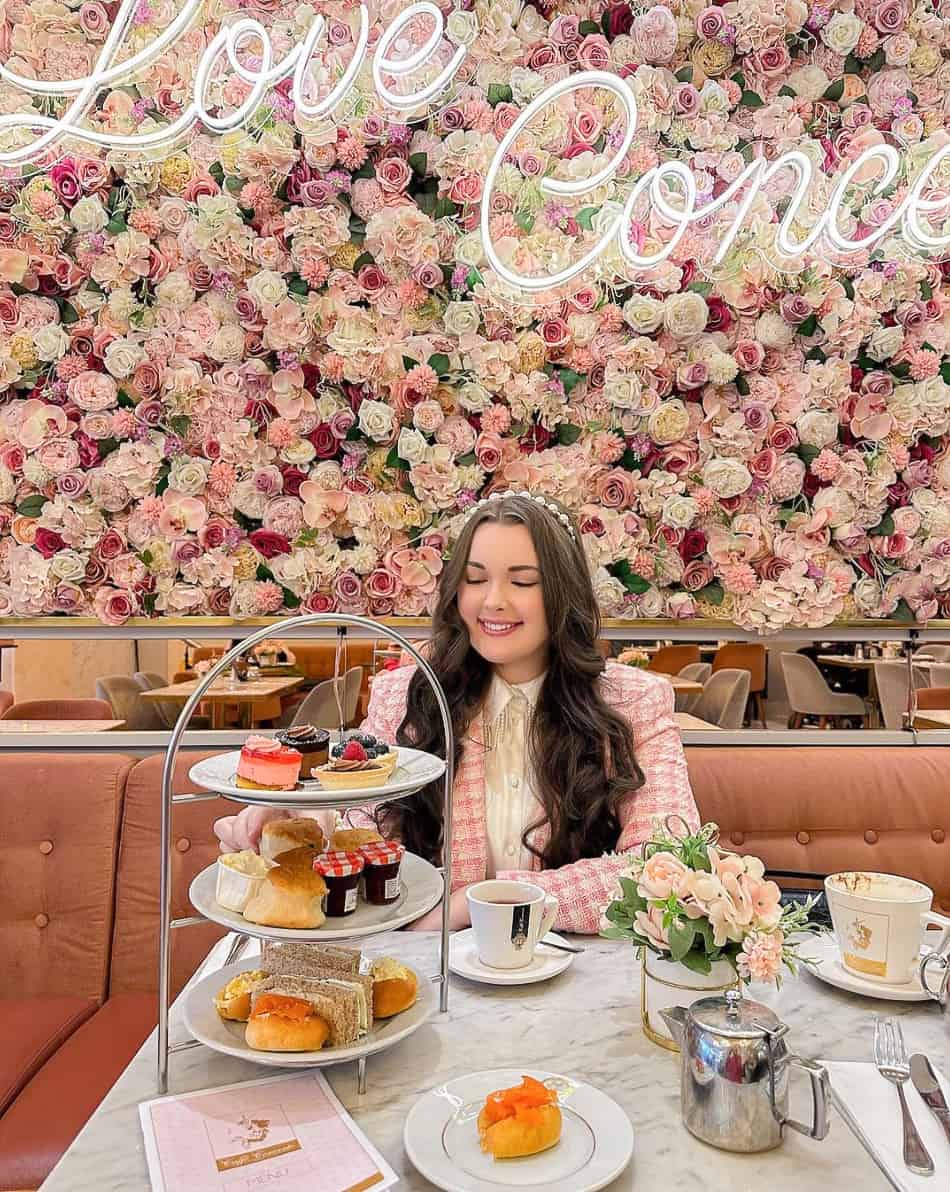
(510, 800)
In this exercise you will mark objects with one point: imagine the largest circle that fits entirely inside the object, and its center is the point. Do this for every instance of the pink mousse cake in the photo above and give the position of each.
(267, 765)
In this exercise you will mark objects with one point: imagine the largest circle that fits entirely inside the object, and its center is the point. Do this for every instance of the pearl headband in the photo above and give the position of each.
(485, 502)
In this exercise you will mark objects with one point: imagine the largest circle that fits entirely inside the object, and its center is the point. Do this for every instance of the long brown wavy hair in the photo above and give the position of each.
(581, 750)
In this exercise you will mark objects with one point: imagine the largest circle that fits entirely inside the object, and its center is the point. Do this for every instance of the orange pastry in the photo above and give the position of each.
(523, 1120)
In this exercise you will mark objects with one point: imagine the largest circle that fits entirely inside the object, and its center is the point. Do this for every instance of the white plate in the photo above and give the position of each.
(441, 1138)
(421, 890)
(205, 1024)
(413, 771)
(824, 949)
(546, 962)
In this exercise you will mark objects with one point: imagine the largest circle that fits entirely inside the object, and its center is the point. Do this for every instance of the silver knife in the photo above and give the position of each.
(925, 1082)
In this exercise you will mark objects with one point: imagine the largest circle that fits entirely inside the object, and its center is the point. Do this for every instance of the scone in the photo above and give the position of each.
(519, 1121)
(290, 895)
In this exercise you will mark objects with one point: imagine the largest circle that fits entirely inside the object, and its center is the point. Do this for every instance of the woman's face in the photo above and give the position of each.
(501, 601)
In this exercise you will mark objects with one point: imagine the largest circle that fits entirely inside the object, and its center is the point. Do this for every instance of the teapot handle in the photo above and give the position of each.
(820, 1089)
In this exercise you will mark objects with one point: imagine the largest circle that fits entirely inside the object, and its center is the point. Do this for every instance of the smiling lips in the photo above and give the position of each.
(498, 628)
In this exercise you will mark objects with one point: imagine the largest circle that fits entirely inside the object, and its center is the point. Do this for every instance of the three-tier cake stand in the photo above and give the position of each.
(406, 780)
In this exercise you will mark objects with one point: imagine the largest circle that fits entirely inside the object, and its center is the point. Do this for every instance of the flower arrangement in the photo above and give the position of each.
(265, 372)
(633, 656)
(687, 900)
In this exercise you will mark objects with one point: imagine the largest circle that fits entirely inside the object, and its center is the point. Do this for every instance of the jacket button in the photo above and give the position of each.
(183, 845)
(46, 847)
(870, 836)
(803, 837)
(41, 920)
(737, 837)
(938, 836)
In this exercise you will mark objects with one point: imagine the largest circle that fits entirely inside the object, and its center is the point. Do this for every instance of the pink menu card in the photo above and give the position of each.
(283, 1134)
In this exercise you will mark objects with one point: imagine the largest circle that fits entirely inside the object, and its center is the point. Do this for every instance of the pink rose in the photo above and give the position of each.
(655, 35)
(381, 584)
(113, 606)
(393, 175)
(488, 451)
(662, 875)
(650, 925)
(93, 391)
(594, 52)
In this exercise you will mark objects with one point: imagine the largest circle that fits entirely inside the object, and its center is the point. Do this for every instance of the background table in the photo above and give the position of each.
(229, 691)
(929, 719)
(12, 727)
(687, 686)
(583, 1023)
(688, 723)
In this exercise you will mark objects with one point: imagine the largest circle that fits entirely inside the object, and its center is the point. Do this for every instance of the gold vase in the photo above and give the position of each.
(667, 983)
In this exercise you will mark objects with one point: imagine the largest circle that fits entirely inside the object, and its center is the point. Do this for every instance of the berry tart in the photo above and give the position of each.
(376, 751)
(266, 765)
(351, 768)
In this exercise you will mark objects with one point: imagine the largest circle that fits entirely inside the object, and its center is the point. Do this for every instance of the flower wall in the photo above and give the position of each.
(267, 370)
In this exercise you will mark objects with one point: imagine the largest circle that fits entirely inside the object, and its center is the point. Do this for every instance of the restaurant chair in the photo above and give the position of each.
(940, 653)
(939, 674)
(890, 679)
(933, 699)
(810, 695)
(753, 658)
(670, 660)
(699, 672)
(60, 709)
(125, 697)
(6, 700)
(168, 711)
(724, 699)
(320, 707)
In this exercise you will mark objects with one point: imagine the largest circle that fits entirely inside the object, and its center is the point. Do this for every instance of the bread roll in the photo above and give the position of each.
(515, 1137)
(233, 1003)
(280, 836)
(290, 895)
(346, 839)
(395, 987)
(280, 1023)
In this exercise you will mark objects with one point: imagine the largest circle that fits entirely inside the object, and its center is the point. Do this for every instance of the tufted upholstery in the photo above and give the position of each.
(889, 810)
(60, 709)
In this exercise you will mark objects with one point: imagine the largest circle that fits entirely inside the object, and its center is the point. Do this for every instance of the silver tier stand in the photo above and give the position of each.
(167, 923)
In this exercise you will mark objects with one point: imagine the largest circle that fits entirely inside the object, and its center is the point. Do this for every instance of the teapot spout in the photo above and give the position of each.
(675, 1019)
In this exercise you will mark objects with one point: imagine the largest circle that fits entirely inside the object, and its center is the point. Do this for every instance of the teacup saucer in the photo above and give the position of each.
(823, 949)
(464, 961)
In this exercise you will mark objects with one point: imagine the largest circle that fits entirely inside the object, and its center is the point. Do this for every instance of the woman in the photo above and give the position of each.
(561, 760)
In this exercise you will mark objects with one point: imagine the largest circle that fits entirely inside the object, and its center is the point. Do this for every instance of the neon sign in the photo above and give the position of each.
(916, 215)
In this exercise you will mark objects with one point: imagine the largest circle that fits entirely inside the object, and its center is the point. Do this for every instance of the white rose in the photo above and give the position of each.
(868, 595)
(51, 342)
(175, 291)
(7, 487)
(68, 565)
(462, 28)
(188, 475)
(526, 85)
(818, 428)
(685, 315)
(123, 356)
(300, 452)
(837, 502)
(267, 288)
(122, 302)
(643, 313)
(625, 393)
(609, 592)
(412, 446)
(772, 331)
(228, 344)
(469, 250)
(884, 342)
(651, 603)
(88, 215)
(924, 60)
(726, 477)
(35, 473)
(842, 32)
(679, 511)
(809, 82)
(461, 318)
(669, 422)
(376, 420)
(474, 397)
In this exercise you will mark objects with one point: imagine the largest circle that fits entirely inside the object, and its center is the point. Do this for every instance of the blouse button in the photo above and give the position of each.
(510, 850)
(515, 783)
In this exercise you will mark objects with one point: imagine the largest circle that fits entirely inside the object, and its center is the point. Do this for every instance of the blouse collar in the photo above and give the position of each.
(500, 692)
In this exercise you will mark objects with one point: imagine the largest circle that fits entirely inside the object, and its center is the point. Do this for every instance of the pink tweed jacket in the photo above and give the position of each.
(586, 886)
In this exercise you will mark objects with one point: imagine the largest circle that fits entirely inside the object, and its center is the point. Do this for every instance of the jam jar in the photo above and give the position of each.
(381, 874)
(341, 872)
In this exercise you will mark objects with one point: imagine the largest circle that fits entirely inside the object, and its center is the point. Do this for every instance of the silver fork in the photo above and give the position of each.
(890, 1056)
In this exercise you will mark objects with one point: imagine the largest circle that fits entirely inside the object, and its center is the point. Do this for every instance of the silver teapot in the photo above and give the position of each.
(734, 1075)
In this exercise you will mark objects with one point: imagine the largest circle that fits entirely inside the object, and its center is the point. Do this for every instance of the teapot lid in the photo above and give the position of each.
(735, 1016)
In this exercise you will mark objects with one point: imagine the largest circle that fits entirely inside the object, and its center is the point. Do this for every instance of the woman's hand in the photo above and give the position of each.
(458, 915)
(241, 831)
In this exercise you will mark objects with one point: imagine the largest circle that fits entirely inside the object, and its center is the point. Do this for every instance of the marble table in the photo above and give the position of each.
(583, 1023)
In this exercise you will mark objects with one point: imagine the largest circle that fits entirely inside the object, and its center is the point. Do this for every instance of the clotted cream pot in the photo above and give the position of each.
(734, 1074)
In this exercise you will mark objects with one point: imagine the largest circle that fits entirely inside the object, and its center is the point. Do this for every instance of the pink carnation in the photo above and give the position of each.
(761, 956)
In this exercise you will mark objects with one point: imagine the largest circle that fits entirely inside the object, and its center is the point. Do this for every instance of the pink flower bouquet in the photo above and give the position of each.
(689, 901)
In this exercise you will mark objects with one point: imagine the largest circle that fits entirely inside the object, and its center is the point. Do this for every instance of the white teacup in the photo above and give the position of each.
(879, 920)
(508, 919)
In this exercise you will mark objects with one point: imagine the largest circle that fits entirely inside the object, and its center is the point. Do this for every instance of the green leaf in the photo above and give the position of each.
(440, 362)
(116, 225)
(629, 578)
(585, 217)
(31, 506)
(750, 99)
(696, 961)
(125, 401)
(586, 27)
(788, 91)
(926, 290)
(568, 433)
(700, 287)
(146, 557)
(713, 593)
(473, 278)
(365, 258)
(630, 461)
(685, 74)
(847, 287)
(835, 91)
(742, 385)
(884, 528)
(234, 185)
(630, 891)
(615, 933)
(419, 163)
(901, 371)
(570, 379)
(408, 363)
(290, 599)
(264, 573)
(106, 446)
(739, 79)
(445, 209)
(298, 286)
(216, 170)
(68, 313)
(808, 326)
(499, 93)
(180, 424)
(366, 170)
(162, 484)
(852, 65)
(816, 353)
(903, 612)
(682, 932)
(876, 62)
(945, 372)
(806, 452)
(524, 220)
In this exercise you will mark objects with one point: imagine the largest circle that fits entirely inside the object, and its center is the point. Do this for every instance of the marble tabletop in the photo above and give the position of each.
(583, 1023)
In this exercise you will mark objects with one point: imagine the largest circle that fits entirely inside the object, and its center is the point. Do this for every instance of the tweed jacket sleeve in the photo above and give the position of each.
(585, 887)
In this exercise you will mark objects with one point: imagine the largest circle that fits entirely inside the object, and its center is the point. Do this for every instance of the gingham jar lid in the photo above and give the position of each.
(386, 853)
(338, 864)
